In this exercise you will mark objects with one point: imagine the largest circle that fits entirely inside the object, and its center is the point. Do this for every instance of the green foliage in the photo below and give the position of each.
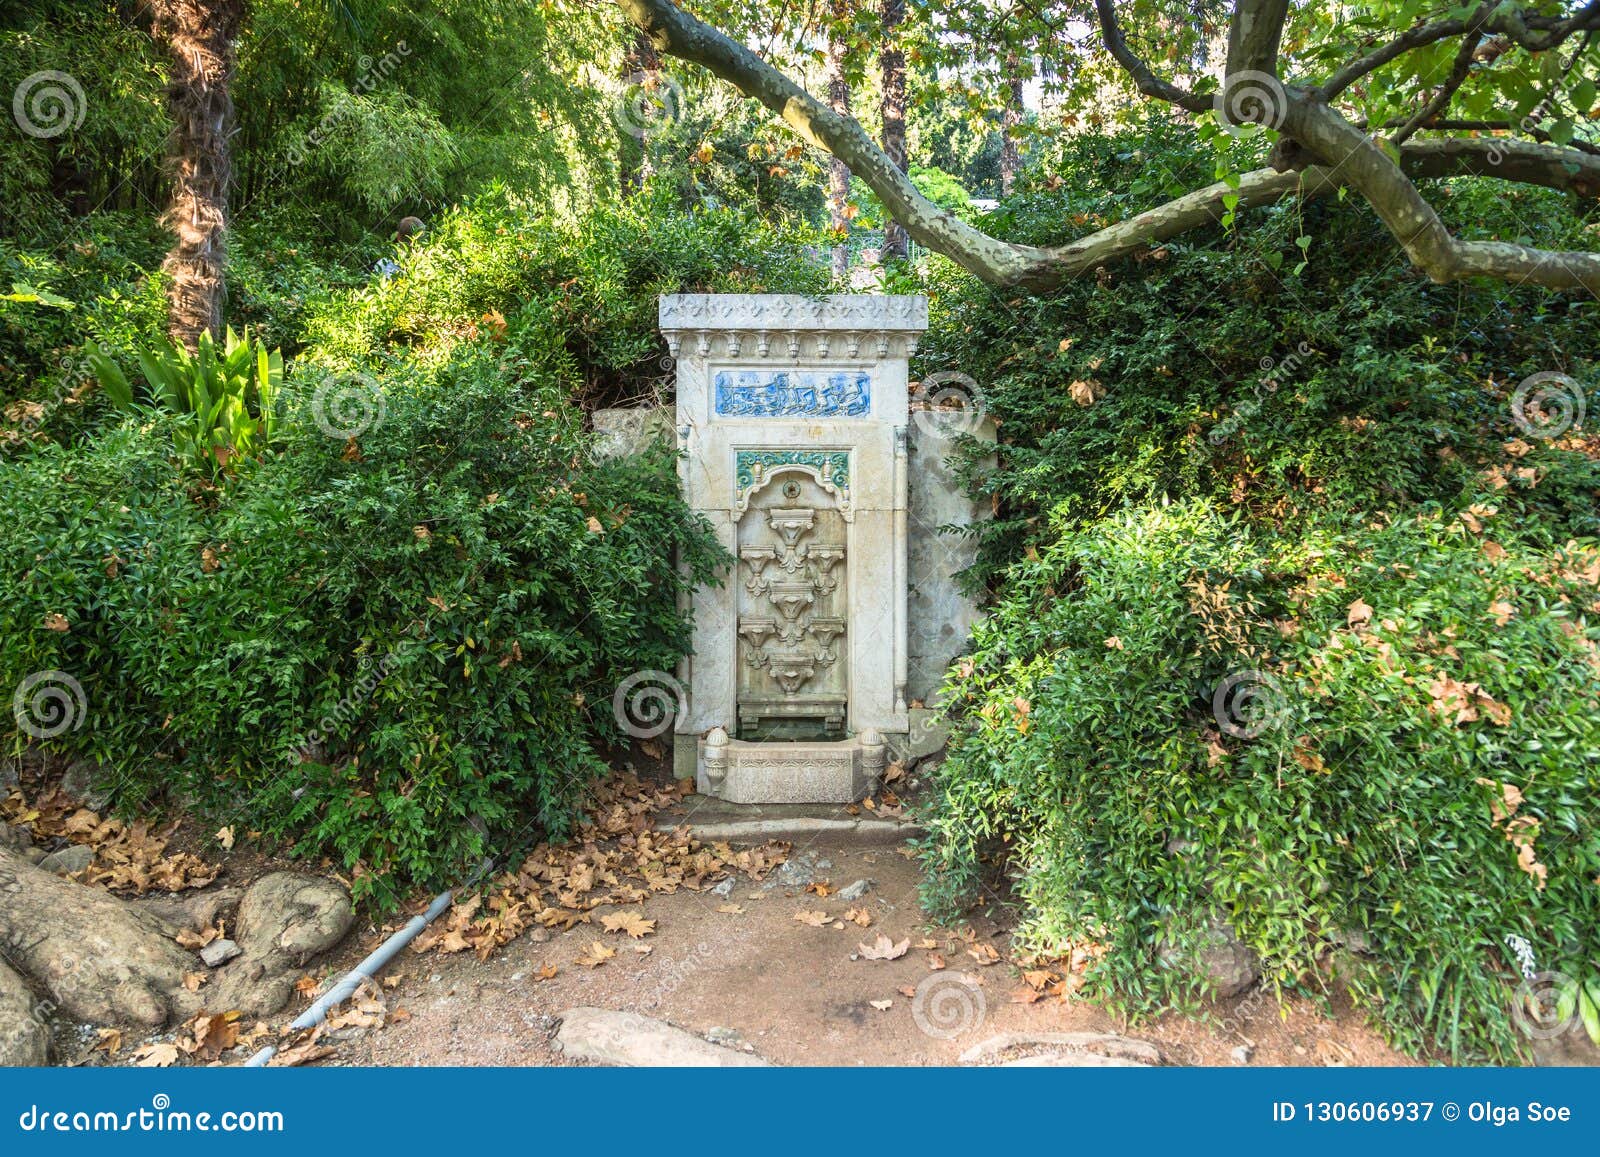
(226, 401)
(402, 655)
(1392, 767)
(1209, 463)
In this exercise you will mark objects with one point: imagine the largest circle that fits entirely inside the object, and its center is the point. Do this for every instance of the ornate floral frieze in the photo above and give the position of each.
(753, 468)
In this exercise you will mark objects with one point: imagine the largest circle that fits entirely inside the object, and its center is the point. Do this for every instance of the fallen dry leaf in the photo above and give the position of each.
(884, 949)
(225, 838)
(631, 921)
(301, 1055)
(109, 1043)
(731, 909)
(159, 1055)
(814, 917)
(596, 955)
(859, 916)
(881, 1005)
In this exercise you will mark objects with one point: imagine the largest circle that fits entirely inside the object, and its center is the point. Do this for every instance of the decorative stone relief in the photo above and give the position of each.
(791, 417)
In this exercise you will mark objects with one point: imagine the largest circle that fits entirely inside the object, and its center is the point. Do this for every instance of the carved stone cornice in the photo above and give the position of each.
(833, 327)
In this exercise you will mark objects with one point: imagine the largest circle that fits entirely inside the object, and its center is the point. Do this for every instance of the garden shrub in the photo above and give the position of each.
(1209, 465)
(1418, 764)
(399, 648)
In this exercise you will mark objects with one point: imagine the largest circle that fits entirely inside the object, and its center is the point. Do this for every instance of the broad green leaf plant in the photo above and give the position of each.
(227, 401)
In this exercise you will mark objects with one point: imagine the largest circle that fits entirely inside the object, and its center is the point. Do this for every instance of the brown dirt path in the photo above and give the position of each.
(788, 989)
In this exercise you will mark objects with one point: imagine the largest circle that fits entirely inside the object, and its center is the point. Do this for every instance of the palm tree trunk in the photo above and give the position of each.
(198, 37)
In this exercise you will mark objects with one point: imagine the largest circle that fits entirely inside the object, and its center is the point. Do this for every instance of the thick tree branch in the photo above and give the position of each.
(1361, 163)
(1004, 263)
(676, 32)
(1148, 82)
(1254, 36)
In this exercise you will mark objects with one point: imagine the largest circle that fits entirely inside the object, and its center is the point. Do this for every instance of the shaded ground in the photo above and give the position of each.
(788, 989)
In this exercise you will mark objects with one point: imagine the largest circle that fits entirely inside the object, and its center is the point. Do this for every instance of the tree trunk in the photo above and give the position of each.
(109, 961)
(892, 63)
(640, 62)
(838, 171)
(198, 37)
(1010, 121)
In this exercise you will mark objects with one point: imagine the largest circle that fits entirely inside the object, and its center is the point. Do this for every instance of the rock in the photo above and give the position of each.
(725, 888)
(798, 871)
(628, 433)
(629, 1040)
(1108, 1047)
(68, 861)
(730, 1037)
(83, 781)
(1354, 939)
(15, 838)
(1241, 1054)
(1221, 961)
(24, 1034)
(219, 952)
(850, 893)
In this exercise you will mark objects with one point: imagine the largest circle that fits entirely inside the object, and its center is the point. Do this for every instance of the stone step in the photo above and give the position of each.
(817, 825)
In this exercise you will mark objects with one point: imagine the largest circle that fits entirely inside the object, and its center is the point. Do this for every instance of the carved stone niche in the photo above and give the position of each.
(792, 415)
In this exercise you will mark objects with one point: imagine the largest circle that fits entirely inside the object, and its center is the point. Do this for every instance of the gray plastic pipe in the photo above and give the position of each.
(366, 970)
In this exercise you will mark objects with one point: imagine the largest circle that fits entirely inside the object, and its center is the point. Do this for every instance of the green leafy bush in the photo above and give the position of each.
(397, 648)
(1209, 464)
(1369, 734)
